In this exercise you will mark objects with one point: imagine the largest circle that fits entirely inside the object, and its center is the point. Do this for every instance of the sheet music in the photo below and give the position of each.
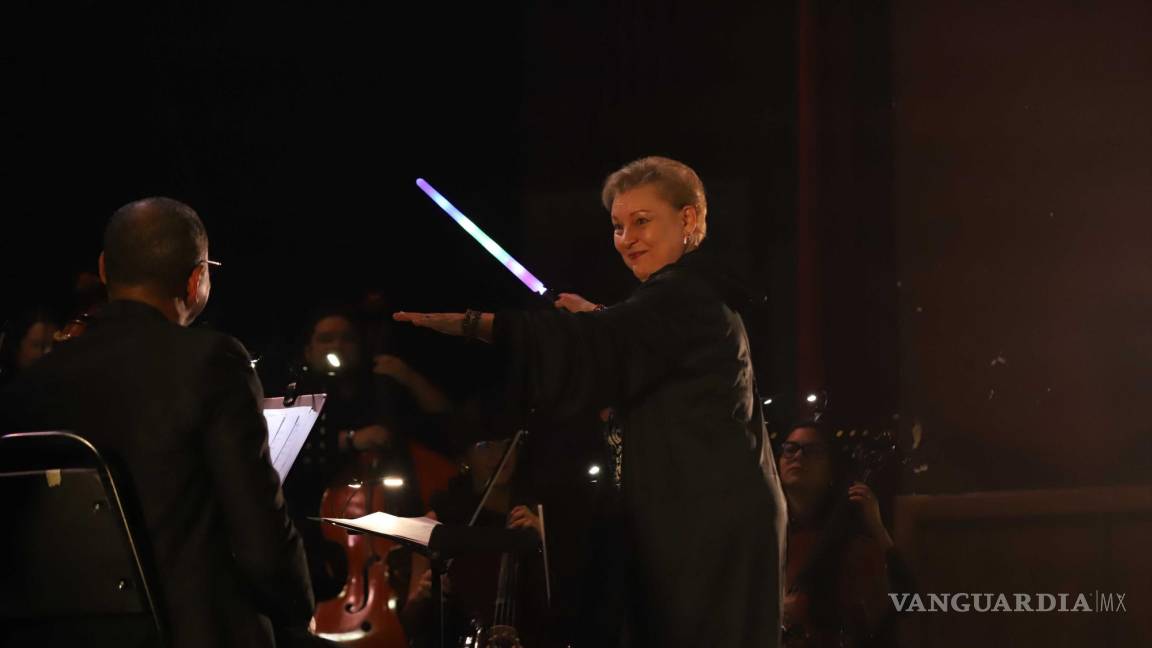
(288, 429)
(418, 529)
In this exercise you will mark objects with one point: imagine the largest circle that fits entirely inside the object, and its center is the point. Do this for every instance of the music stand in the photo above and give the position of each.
(446, 542)
(289, 423)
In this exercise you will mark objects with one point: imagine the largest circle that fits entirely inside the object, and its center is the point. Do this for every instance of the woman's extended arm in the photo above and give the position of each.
(567, 362)
(450, 323)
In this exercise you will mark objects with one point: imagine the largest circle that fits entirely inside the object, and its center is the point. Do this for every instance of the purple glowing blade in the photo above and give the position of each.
(534, 284)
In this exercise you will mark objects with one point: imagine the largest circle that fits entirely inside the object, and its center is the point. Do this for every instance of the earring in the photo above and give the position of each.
(685, 241)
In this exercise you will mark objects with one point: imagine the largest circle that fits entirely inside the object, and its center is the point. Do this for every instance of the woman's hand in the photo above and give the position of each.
(447, 323)
(574, 303)
(869, 508)
(521, 517)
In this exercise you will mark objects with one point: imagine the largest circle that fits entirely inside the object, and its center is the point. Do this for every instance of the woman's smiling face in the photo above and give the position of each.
(649, 231)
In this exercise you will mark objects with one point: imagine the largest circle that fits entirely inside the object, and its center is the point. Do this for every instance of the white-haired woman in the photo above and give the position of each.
(703, 514)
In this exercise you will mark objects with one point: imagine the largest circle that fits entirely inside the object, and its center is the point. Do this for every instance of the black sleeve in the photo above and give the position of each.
(570, 362)
(265, 545)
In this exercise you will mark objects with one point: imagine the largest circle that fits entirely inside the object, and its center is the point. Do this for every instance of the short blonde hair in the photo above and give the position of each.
(675, 181)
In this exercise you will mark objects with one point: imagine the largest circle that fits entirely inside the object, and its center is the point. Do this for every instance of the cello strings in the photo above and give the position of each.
(501, 591)
(514, 589)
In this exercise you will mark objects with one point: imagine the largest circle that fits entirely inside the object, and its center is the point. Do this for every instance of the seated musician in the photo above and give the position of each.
(367, 399)
(180, 408)
(472, 582)
(836, 576)
(373, 405)
(26, 338)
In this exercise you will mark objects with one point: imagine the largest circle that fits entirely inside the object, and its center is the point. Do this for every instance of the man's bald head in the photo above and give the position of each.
(153, 243)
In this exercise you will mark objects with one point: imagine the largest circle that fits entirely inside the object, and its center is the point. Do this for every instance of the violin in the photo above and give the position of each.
(76, 326)
(91, 297)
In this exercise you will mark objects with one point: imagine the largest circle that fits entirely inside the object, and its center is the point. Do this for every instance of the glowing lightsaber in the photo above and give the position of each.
(527, 278)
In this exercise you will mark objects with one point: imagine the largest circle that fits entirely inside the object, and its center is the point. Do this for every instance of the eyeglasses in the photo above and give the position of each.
(207, 262)
(790, 449)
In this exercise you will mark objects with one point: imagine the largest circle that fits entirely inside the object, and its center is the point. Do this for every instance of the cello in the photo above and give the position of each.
(511, 618)
(389, 475)
(501, 629)
(363, 614)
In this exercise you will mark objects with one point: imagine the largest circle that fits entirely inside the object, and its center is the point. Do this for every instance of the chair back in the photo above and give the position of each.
(77, 566)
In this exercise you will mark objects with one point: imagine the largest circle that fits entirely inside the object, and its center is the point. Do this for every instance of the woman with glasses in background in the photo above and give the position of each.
(838, 555)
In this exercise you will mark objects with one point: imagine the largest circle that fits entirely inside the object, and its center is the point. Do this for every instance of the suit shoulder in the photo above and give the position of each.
(217, 345)
(223, 362)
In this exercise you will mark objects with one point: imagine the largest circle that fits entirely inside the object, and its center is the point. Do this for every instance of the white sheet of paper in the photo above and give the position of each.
(288, 429)
(418, 530)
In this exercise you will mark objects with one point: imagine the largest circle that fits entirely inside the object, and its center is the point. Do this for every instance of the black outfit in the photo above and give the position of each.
(703, 515)
(180, 409)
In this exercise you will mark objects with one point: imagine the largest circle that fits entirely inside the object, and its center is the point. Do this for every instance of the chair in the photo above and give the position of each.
(76, 567)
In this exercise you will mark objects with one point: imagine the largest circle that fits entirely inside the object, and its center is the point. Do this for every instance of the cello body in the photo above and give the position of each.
(363, 614)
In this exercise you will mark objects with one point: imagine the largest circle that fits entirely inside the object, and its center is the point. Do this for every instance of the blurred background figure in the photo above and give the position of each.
(373, 402)
(841, 559)
(24, 340)
(364, 455)
(484, 431)
(88, 292)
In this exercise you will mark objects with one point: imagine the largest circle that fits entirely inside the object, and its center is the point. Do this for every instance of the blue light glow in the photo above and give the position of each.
(527, 278)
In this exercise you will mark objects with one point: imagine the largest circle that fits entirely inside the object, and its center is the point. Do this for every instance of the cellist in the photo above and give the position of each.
(363, 436)
(473, 584)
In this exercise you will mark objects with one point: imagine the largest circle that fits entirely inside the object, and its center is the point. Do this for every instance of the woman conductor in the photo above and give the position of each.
(703, 514)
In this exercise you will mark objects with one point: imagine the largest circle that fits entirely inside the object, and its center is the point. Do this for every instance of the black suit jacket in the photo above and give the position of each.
(180, 409)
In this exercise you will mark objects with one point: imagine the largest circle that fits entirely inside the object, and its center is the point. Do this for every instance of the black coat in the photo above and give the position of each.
(703, 513)
(180, 409)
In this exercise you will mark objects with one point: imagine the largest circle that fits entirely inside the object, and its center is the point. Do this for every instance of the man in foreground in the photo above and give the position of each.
(180, 409)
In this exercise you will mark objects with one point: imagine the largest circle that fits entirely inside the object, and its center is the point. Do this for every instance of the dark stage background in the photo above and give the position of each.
(298, 134)
(1023, 188)
(946, 205)
(946, 208)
